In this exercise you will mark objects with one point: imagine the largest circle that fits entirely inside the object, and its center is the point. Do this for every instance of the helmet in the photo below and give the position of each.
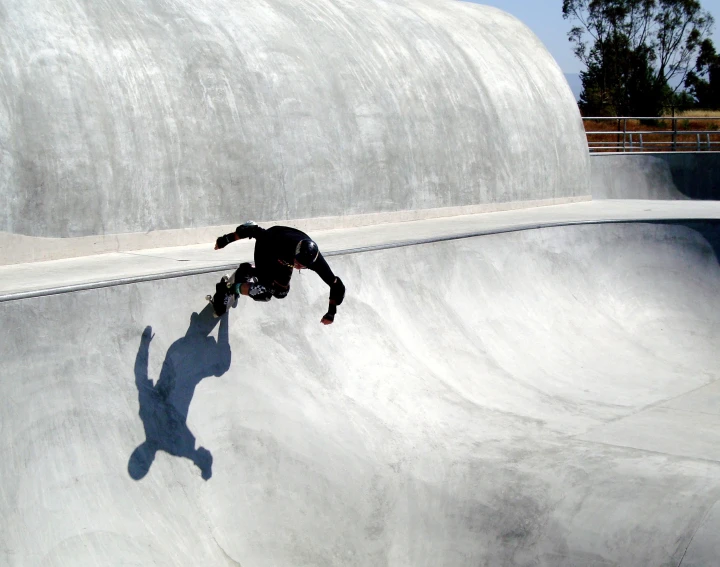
(306, 252)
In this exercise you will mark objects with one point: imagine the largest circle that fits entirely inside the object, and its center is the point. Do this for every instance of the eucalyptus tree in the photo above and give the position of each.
(637, 53)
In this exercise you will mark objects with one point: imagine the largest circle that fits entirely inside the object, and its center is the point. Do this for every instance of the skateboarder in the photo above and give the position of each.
(278, 250)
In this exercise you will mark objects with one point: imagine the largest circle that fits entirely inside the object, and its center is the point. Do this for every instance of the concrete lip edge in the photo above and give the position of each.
(80, 246)
(166, 274)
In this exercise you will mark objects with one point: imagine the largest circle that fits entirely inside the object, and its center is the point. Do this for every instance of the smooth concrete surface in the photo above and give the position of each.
(541, 397)
(497, 389)
(143, 115)
(663, 175)
(29, 279)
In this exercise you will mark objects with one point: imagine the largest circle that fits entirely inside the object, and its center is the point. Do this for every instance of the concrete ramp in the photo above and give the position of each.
(545, 397)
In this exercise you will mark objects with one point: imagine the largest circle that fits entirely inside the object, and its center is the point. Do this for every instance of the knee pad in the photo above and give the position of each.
(280, 291)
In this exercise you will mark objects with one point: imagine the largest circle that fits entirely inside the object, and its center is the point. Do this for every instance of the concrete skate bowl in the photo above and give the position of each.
(543, 397)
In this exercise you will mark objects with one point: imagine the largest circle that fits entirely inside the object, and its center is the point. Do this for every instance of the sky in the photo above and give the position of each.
(544, 17)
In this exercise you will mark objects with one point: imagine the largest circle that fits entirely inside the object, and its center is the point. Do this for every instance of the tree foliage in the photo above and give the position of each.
(637, 53)
(703, 83)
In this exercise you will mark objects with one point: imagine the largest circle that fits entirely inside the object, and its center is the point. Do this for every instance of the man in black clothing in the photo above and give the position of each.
(278, 250)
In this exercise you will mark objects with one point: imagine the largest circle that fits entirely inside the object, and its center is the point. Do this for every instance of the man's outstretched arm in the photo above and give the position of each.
(141, 361)
(337, 288)
(337, 294)
(245, 230)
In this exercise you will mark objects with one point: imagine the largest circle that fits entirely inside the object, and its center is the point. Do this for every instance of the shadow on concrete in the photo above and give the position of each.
(164, 406)
(695, 174)
(662, 175)
(709, 229)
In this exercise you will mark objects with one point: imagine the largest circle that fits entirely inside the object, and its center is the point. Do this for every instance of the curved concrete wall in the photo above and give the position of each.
(676, 175)
(136, 116)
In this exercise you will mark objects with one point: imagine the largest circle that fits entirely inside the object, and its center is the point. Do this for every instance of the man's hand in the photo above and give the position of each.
(224, 240)
(329, 317)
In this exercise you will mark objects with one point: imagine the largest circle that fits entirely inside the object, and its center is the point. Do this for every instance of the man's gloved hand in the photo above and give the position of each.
(329, 317)
(224, 240)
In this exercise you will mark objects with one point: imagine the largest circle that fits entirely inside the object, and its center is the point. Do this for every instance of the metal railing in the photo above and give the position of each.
(636, 139)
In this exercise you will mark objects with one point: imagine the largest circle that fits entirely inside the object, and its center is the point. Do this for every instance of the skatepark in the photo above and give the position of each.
(523, 371)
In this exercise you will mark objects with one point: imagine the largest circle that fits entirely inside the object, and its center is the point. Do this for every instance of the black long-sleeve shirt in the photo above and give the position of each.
(275, 256)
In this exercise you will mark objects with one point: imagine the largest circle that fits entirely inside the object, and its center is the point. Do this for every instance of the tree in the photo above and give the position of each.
(641, 51)
(703, 83)
(619, 80)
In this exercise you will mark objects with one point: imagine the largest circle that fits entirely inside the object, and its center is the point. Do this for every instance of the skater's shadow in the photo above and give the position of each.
(164, 406)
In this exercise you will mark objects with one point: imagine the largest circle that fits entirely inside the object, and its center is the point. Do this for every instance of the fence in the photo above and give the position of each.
(628, 135)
